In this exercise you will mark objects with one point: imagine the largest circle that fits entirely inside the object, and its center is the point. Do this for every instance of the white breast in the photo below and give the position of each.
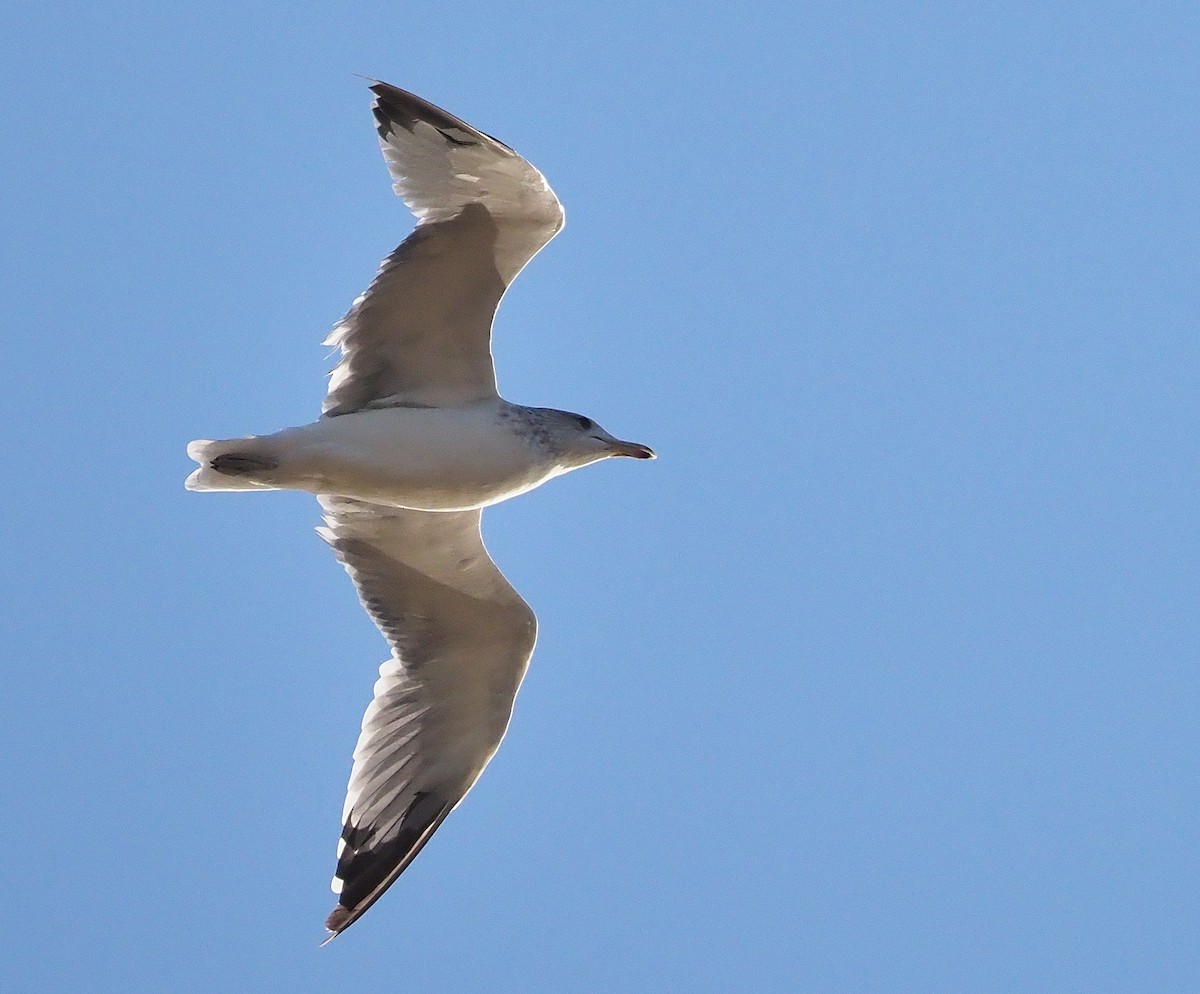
(434, 459)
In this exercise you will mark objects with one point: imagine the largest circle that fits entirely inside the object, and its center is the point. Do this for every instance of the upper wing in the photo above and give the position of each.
(421, 334)
(461, 639)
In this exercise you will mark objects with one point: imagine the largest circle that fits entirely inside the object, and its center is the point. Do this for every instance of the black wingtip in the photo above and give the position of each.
(366, 875)
(340, 919)
(395, 107)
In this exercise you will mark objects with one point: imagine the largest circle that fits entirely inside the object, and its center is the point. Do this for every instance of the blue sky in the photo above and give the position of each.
(882, 678)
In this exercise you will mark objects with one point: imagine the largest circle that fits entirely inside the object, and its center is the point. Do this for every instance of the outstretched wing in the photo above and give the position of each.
(461, 639)
(421, 334)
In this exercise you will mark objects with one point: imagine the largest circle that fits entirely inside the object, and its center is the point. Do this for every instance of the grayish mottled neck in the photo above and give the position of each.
(536, 425)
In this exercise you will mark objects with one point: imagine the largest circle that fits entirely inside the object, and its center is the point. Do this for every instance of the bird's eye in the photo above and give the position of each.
(587, 424)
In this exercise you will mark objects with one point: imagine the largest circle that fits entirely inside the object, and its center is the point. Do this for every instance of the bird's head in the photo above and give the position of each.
(583, 441)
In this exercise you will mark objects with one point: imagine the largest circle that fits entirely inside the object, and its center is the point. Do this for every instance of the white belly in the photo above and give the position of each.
(431, 459)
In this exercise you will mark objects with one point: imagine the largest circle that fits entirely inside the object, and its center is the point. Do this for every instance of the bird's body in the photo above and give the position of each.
(413, 441)
(423, 458)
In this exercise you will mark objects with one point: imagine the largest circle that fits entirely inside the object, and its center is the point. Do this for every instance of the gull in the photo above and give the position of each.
(413, 441)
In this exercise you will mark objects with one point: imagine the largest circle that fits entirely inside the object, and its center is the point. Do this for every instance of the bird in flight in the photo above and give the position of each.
(412, 443)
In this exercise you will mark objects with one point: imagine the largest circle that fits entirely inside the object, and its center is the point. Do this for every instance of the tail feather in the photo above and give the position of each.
(230, 464)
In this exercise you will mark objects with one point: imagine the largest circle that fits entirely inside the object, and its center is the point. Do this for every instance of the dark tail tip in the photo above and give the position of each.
(239, 464)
